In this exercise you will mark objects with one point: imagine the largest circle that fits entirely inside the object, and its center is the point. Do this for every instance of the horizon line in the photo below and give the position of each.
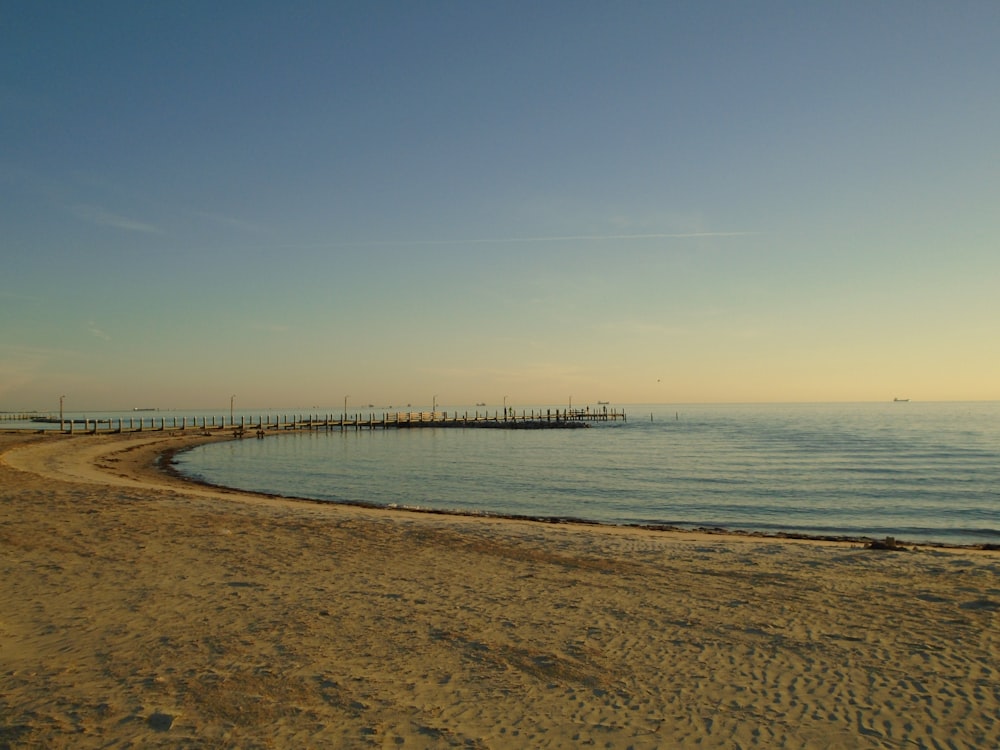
(527, 404)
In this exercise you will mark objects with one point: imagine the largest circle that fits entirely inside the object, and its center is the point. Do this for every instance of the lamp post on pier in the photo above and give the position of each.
(434, 404)
(61, 412)
(232, 400)
(504, 407)
(345, 408)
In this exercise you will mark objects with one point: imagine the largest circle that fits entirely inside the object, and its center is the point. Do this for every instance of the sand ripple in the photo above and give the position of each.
(139, 610)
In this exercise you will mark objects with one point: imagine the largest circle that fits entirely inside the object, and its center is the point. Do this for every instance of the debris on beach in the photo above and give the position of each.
(889, 543)
(160, 722)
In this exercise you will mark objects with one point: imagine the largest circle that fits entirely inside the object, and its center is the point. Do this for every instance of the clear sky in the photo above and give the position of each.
(628, 201)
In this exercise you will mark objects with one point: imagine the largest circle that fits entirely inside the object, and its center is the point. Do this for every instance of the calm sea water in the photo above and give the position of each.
(917, 471)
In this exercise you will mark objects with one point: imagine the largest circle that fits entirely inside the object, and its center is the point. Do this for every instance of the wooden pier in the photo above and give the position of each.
(261, 426)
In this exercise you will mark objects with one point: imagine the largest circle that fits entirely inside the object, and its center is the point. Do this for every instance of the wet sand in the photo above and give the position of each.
(141, 610)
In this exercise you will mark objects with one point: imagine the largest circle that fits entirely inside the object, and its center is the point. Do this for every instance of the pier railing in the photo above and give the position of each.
(265, 424)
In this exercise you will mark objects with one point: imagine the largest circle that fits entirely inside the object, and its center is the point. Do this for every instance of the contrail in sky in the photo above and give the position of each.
(571, 237)
(554, 238)
(97, 215)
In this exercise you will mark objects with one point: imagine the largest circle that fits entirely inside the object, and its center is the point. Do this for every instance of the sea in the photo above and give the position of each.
(919, 472)
(916, 471)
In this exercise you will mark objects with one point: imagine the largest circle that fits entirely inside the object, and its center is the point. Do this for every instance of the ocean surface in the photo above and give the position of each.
(915, 471)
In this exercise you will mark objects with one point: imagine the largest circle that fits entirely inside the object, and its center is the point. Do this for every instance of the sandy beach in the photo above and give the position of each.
(141, 610)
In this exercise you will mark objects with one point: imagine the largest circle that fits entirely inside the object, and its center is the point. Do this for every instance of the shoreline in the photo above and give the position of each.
(143, 609)
(193, 437)
(169, 467)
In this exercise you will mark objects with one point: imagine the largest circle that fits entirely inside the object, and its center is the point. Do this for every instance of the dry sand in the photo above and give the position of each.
(138, 610)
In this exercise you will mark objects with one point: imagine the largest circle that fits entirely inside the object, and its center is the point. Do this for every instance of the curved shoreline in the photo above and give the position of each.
(160, 458)
(169, 467)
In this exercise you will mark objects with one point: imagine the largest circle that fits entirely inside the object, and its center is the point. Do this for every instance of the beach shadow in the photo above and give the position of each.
(981, 605)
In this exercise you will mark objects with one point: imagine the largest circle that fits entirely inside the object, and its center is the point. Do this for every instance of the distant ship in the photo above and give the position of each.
(603, 403)
(144, 408)
(901, 400)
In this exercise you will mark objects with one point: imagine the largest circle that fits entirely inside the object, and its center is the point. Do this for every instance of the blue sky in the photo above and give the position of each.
(636, 202)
